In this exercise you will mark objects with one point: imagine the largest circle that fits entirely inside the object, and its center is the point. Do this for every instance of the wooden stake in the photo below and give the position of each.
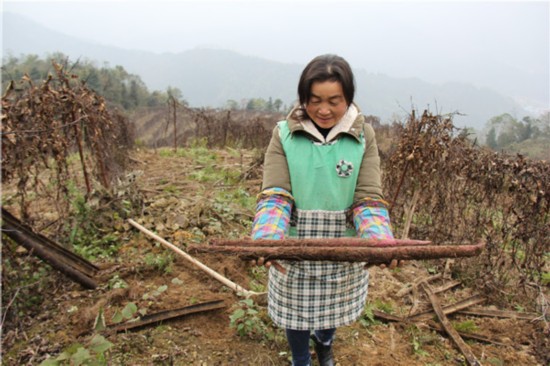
(409, 210)
(232, 285)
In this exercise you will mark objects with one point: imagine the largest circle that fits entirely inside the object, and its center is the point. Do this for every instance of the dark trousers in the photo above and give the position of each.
(298, 340)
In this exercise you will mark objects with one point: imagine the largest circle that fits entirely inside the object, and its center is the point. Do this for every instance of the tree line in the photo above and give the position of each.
(128, 91)
(506, 132)
(115, 84)
(257, 104)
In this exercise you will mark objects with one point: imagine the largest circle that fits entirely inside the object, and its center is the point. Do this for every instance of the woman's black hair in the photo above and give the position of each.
(326, 68)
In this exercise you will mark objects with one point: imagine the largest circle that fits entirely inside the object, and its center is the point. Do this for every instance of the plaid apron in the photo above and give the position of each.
(317, 295)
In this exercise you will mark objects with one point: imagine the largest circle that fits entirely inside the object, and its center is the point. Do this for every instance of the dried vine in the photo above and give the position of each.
(228, 128)
(466, 193)
(43, 126)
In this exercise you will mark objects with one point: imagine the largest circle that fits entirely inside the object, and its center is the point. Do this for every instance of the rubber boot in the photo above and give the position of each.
(324, 353)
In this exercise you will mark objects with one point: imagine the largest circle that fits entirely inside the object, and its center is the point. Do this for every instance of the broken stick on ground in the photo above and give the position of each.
(462, 346)
(166, 315)
(72, 265)
(232, 285)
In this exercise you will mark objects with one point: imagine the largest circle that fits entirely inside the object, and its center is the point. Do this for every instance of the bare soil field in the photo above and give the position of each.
(181, 205)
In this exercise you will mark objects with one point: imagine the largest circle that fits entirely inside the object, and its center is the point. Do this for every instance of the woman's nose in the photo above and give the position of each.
(324, 110)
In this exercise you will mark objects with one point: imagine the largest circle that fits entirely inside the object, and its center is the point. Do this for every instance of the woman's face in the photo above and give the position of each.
(327, 104)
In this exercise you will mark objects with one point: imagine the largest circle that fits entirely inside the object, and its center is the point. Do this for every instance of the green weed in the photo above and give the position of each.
(93, 353)
(154, 293)
(160, 262)
(419, 339)
(367, 319)
(258, 279)
(127, 313)
(495, 361)
(519, 308)
(249, 322)
(24, 283)
(117, 282)
(83, 234)
(239, 197)
(171, 189)
(467, 326)
(207, 174)
(386, 307)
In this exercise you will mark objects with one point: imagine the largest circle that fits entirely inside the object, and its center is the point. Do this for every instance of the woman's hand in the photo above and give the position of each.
(262, 262)
(393, 264)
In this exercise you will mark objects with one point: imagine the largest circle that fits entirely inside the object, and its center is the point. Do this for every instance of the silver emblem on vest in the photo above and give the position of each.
(344, 168)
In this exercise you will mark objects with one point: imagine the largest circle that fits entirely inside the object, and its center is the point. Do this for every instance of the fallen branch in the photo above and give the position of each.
(462, 346)
(166, 315)
(499, 314)
(446, 286)
(396, 319)
(464, 335)
(415, 297)
(388, 317)
(448, 309)
(414, 286)
(371, 255)
(410, 287)
(232, 285)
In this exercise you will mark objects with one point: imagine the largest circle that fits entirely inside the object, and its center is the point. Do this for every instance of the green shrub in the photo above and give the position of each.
(91, 354)
(249, 322)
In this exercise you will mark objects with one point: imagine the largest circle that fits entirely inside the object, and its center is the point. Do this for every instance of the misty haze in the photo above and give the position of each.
(145, 149)
(424, 55)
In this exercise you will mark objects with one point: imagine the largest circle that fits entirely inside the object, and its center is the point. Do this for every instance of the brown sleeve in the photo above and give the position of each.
(369, 181)
(275, 165)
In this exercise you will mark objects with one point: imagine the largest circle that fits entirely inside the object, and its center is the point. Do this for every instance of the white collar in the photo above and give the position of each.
(344, 124)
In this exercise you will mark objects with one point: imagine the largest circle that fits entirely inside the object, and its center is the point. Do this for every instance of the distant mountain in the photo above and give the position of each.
(210, 77)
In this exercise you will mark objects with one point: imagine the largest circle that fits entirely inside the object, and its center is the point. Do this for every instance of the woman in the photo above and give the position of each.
(321, 180)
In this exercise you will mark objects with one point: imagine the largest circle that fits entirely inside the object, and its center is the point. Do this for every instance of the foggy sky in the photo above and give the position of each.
(488, 44)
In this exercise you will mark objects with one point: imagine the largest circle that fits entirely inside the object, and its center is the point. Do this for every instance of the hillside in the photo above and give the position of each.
(184, 196)
(210, 77)
(442, 189)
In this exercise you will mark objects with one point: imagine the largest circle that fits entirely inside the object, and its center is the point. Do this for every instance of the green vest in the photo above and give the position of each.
(323, 176)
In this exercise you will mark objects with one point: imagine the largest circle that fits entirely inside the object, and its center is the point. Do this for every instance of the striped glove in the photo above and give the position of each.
(272, 214)
(372, 220)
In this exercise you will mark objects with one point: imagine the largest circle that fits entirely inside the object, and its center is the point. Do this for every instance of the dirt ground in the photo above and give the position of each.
(177, 208)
